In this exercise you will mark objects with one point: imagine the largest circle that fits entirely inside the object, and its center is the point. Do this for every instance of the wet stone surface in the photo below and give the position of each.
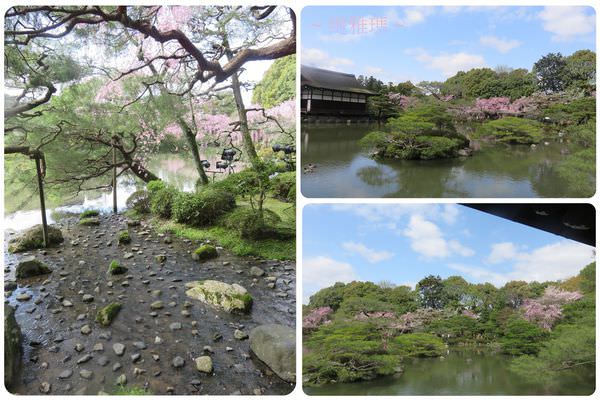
(67, 352)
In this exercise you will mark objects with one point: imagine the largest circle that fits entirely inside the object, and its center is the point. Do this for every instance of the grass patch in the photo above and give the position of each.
(267, 249)
(89, 213)
(131, 391)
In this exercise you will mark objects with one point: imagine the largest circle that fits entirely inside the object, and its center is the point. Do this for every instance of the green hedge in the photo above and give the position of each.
(203, 208)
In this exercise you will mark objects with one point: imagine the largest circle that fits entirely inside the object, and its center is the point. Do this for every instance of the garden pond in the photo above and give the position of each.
(462, 371)
(343, 169)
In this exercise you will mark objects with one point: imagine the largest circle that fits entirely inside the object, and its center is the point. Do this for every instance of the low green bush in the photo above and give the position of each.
(522, 337)
(139, 201)
(418, 345)
(283, 186)
(513, 130)
(249, 225)
(155, 186)
(161, 201)
(203, 208)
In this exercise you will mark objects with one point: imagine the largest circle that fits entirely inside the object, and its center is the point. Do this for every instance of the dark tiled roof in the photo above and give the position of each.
(322, 78)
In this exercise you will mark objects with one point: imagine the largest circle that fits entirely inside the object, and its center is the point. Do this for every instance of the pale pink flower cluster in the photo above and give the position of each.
(173, 17)
(111, 90)
(317, 317)
(402, 101)
(543, 315)
(363, 316)
(547, 309)
(554, 295)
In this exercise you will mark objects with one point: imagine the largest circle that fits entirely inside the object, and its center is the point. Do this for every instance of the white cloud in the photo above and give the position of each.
(373, 70)
(448, 63)
(501, 252)
(428, 240)
(321, 59)
(391, 214)
(371, 255)
(500, 44)
(320, 272)
(567, 23)
(555, 261)
(410, 16)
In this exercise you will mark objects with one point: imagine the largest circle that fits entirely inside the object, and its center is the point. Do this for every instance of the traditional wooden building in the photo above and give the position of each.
(331, 93)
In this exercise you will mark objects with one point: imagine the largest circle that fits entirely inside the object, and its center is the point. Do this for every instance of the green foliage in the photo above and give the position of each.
(91, 221)
(431, 292)
(514, 130)
(346, 352)
(456, 329)
(203, 208)
(485, 83)
(581, 71)
(249, 224)
(205, 252)
(352, 306)
(115, 268)
(588, 275)
(139, 201)
(522, 337)
(283, 186)
(575, 112)
(131, 391)
(328, 297)
(123, 237)
(418, 345)
(278, 84)
(155, 186)
(161, 200)
(551, 73)
(579, 170)
(89, 213)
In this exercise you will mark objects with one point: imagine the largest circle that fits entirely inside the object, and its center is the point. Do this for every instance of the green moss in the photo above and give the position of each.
(89, 213)
(91, 221)
(115, 268)
(246, 299)
(206, 252)
(131, 391)
(106, 315)
(123, 237)
(32, 238)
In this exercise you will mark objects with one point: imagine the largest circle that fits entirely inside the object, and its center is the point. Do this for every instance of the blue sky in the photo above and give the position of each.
(433, 43)
(403, 243)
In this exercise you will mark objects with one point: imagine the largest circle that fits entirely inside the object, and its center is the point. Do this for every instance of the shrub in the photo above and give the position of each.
(161, 201)
(89, 213)
(419, 345)
(346, 352)
(522, 337)
(155, 186)
(204, 208)
(283, 186)
(248, 223)
(139, 201)
(123, 237)
(205, 252)
(514, 130)
(242, 183)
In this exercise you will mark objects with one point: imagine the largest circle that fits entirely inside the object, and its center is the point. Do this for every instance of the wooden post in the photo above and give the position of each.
(114, 179)
(38, 167)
